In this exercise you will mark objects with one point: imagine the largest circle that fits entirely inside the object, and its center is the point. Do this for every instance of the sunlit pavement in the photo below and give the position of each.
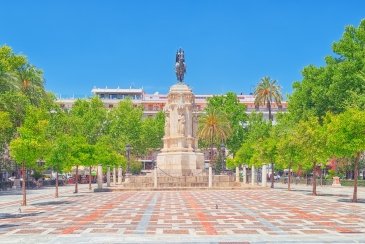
(239, 216)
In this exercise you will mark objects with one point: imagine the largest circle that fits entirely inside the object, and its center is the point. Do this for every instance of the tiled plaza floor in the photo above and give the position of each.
(216, 216)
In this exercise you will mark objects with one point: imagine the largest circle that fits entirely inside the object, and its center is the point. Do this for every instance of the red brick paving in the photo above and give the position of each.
(191, 213)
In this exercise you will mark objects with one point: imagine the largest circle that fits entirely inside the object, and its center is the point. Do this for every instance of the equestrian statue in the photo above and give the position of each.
(180, 66)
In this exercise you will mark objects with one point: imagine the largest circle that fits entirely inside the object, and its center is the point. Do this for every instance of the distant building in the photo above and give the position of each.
(152, 103)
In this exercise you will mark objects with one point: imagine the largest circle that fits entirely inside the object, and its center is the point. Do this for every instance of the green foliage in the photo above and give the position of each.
(152, 132)
(311, 137)
(58, 155)
(346, 133)
(257, 148)
(30, 144)
(10, 61)
(5, 128)
(125, 127)
(214, 126)
(267, 92)
(288, 143)
(236, 112)
(328, 88)
(135, 167)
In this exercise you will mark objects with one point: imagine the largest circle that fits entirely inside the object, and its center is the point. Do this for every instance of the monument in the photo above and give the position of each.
(180, 155)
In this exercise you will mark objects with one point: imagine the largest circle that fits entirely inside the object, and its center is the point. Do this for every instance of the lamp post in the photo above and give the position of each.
(223, 150)
(128, 151)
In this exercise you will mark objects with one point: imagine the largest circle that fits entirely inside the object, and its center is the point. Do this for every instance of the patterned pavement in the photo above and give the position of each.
(215, 216)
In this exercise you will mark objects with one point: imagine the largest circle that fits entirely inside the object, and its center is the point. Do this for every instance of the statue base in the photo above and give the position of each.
(180, 163)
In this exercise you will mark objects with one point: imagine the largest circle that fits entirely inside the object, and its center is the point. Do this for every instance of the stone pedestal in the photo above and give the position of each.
(180, 155)
(336, 182)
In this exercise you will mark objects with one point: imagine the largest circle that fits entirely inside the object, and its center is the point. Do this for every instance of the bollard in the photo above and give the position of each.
(114, 176)
(210, 178)
(244, 174)
(264, 176)
(120, 175)
(253, 175)
(237, 174)
(108, 177)
(155, 177)
(100, 177)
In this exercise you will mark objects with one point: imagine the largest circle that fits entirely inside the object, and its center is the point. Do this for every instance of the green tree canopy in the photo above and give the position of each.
(328, 88)
(236, 112)
(346, 137)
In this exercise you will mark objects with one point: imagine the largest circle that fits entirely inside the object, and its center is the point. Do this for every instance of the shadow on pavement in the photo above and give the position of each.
(350, 200)
(51, 203)
(78, 195)
(330, 195)
(18, 215)
(7, 226)
(9, 193)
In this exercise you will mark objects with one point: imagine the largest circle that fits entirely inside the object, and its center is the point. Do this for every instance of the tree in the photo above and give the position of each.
(328, 88)
(236, 112)
(125, 127)
(8, 81)
(58, 156)
(288, 146)
(311, 137)
(18, 75)
(214, 128)
(5, 127)
(346, 138)
(152, 132)
(267, 92)
(29, 146)
(257, 148)
(95, 124)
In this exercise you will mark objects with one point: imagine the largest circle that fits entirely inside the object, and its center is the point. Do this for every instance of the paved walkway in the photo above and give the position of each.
(210, 216)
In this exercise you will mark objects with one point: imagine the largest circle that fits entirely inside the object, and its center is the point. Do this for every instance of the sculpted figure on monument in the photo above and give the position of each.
(167, 125)
(182, 124)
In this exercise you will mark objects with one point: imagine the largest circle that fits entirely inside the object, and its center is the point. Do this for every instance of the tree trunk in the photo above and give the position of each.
(211, 155)
(321, 177)
(314, 192)
(24, 203)
(269, 107)
(289, 178)
(90, 178)
(76, 179)
(272, 175)
(356, 173)
(56, 195)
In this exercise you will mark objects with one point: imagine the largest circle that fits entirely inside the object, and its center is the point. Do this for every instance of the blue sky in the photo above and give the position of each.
(229, 45)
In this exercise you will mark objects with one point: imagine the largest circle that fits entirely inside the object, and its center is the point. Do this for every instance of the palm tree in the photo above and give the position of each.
(214, 128)
(30, 76)
(267, 92)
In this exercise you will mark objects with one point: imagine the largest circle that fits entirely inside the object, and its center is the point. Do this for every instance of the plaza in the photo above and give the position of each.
(198, 216)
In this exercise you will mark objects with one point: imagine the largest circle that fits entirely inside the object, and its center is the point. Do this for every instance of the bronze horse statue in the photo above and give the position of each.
(180, 66)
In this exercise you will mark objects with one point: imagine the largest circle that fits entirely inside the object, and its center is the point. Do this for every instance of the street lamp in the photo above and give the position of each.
(223, 150)
(128, 151)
